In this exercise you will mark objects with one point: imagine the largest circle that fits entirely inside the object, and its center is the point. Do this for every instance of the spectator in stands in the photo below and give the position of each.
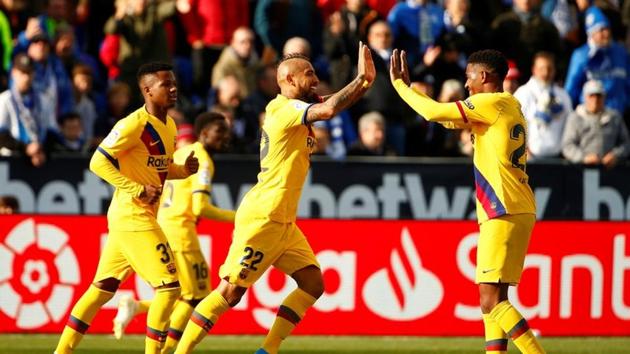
(371, 137)
(9, 205)
(70, 140)
(275, 21)
(253, 107)
(595, 134)
(84, 105)
(226, 99)
(443, 61)
(209, 27)
(511, 82)
(523, 32)
(118, 106)
(6, 47)
(545, 106)
(340, 131)
(472, 34)
(70, 54)
(564, 15)
(382, 96)
(185, 135)
(140, 26)
(416, 25)
(343, 32)
(24, 124)
(600, 59)
(240, 60)
(51, 79)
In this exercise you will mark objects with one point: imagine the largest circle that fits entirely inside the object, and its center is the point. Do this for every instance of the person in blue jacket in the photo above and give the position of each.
(600, 59)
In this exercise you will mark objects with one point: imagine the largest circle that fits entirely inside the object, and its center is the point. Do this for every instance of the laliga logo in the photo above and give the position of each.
(38, 272)
(420, 295)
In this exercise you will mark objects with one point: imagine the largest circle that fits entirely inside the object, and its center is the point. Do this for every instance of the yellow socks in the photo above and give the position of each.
(496, 339)
(290, 313)
(80, 318)
(201, 321)
(158, 318)
(516, 327)
(179, 318)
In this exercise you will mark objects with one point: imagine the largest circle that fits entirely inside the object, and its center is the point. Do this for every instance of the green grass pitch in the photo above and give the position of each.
(99, 344)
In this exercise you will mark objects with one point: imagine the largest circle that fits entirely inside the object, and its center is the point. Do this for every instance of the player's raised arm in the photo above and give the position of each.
(348, 95)
(424, 105)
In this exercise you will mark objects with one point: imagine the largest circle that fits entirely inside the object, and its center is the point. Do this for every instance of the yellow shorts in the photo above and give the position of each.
(502, 247)
(145, 252)
(259, 243)
(193, 274)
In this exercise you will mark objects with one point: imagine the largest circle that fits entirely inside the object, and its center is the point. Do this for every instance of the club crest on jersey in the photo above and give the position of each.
(171, 268)
(244, 273)
(468, 104)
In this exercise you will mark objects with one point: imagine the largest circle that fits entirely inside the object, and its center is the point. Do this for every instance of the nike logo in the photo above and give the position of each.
(487, 270)
(153, 143)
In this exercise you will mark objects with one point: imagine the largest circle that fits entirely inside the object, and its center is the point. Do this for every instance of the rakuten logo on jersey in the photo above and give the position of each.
(159, 162)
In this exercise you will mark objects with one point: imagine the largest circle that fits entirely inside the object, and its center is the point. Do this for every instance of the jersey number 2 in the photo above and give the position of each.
(516, 155)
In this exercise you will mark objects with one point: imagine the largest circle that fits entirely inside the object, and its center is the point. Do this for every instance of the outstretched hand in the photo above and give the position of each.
(398, 68)
(365, 67)
(192, 163)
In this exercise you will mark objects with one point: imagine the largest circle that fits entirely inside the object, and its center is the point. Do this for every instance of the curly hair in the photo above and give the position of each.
(492, 59)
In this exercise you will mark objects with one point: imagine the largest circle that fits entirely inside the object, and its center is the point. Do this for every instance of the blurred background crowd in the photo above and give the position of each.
(68, 69)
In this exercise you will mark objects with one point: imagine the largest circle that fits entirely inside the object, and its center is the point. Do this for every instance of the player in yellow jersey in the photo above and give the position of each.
(265, 232)
(136, 158)
(183, 203)
(506, 208)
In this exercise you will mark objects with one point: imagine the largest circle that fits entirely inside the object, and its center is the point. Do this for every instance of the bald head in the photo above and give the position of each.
(296, 76)
(297, 45)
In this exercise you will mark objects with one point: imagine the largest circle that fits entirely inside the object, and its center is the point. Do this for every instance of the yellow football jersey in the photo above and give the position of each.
(285, 148)
(140, 147)
(500, 136)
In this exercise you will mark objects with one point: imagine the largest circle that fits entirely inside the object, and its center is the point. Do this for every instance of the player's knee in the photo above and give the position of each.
(193, 302)
(109, 284)
(314, 286)
(232, 293)
(487, 303)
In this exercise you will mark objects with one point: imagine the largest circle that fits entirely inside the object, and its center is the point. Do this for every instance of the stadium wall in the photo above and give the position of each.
(394, 277)
(391, 189)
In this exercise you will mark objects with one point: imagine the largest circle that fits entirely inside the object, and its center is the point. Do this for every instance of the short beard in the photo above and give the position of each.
(312, 97)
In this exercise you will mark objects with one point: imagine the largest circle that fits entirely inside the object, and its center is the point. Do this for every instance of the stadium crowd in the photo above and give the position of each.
(68, 69)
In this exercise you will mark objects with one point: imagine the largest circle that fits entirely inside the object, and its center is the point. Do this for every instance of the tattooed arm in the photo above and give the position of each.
(348, 95)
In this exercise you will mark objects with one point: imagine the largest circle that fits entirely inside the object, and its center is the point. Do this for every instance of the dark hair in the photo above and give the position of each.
(491, 59)
(205, 119)
(294, 56)
(151, 68)
(68, 116)
(545, 55)
(81, 69)
(10, 201)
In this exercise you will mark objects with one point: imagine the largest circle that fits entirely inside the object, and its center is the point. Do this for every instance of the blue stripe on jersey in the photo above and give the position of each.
(109, 157)
(488, 197)
(156, 137)
(304, 114)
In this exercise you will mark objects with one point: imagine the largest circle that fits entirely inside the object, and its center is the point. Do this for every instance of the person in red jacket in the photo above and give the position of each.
(209, 26)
